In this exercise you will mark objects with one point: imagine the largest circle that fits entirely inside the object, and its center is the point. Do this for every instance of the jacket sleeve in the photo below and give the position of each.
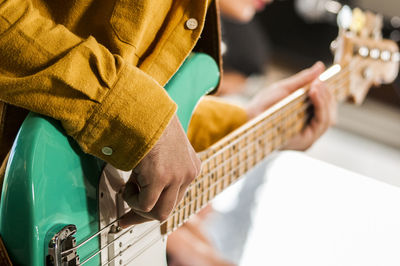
(212, 120)
(100, 100)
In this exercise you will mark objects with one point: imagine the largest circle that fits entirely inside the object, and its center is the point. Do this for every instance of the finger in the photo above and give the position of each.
(304, 77)
(332, 108)
(163, 207)
(326, 109)
(318, 98)
(145, 199)
(181, 194)
(131, 218)
(166, 203)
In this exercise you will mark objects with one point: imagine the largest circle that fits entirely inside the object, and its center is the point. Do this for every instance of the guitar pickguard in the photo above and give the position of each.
(137, 245)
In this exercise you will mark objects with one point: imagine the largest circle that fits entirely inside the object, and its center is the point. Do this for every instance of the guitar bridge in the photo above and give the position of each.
(61, 242)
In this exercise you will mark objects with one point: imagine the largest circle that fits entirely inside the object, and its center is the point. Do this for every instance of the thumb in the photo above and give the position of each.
(304, 77)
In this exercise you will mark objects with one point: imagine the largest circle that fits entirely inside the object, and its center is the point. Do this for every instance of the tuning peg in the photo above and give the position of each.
(375, 53)
(377, 32)
(345, 17)
(358, 22)
(396, 57)
(334, 46)
(363, 51)
(367, 73)
(385, 55)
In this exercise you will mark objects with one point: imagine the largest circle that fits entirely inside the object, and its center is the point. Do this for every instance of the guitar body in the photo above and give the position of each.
(51, 184)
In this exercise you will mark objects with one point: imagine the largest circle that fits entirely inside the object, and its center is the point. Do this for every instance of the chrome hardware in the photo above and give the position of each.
(363, 51)
(375, 53)
(396, 57)
(367, 73)
(61, 248)
(345, 17)
(334, 46)
(115, 229)
(385, 55)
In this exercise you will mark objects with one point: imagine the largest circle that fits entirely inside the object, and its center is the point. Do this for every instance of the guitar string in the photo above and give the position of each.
(237, 139)
(111, 224)
(221, 180)
(156, 226)
(93, 255)
(273, 116)
(331, 80)
(140, 237)
(232, 143)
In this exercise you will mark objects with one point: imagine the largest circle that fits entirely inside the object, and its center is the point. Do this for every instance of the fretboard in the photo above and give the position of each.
(230, 158)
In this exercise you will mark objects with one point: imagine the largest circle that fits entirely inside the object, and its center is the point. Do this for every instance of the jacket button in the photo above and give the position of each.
(107, 151)
(192, 24)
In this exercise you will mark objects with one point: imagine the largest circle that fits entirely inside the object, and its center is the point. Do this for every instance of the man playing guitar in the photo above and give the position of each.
(99, 67)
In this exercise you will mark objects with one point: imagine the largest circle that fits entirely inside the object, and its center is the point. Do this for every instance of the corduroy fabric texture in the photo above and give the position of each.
(212, 120)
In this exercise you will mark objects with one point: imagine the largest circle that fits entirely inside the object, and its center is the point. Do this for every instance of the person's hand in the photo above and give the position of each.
(189, 246)
(325, 108)
(161, 178)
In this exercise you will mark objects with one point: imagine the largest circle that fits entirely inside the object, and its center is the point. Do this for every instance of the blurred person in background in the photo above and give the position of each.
(246, 48)
(189, 245)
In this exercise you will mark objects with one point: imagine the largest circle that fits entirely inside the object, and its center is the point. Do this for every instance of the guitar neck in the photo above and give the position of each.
(230, 158)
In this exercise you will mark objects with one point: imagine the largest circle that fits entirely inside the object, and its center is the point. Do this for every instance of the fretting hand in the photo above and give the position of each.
(325, 109)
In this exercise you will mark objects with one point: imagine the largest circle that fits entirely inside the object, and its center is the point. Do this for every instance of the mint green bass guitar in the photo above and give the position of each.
(50, 212)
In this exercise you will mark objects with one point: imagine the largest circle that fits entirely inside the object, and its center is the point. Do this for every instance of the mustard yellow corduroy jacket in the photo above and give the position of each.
(99, 66)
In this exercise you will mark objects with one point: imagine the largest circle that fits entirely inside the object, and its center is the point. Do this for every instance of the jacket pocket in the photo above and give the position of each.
(137, 22)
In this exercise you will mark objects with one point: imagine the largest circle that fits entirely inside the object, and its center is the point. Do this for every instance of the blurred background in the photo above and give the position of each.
(287, 36)
(290, 35)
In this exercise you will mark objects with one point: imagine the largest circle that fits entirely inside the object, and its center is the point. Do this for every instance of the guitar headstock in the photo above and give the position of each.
(360, 49)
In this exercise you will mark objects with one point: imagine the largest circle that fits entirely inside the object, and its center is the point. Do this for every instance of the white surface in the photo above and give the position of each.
(358, 154)
(313, 213)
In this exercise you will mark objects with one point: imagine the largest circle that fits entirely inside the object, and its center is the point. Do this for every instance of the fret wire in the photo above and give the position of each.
(338, 78)
(332, 83)
(279, 123)
(267, 148)
(329, 80)
(338, 93)
(342, 72)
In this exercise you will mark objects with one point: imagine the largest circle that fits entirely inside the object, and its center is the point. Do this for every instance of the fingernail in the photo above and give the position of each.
(317, 65)
(248, 12)
(127, 192)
